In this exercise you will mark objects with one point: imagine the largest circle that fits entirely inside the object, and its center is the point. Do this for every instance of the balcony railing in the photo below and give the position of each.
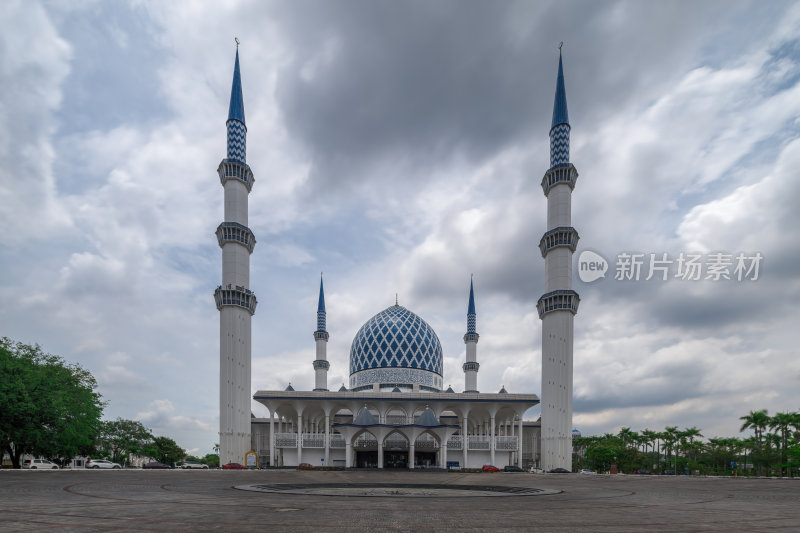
(313, 440)
(455, 442)
(478, 442)
(337, 441)
(396, 420)
(506, 443)
(286, 440)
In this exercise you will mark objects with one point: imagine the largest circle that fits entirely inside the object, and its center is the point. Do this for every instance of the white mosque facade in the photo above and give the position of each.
(395, 412)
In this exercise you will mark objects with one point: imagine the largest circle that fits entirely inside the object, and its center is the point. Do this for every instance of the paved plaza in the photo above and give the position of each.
(195, 500)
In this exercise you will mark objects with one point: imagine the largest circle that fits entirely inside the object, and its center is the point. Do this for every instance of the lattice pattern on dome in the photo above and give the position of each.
(396, 337)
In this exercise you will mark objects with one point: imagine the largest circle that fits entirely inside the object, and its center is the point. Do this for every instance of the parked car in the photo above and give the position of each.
(39, 464)
(490, 468)
(305, 466)
(512, 468)
(644, 473)
(588, 472)
(194, 464)
(101, 463)
(233, 466)
(156, 465)
(535, 470)
(559, 471)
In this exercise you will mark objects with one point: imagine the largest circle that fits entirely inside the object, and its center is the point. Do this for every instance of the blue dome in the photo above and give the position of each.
(396, 338)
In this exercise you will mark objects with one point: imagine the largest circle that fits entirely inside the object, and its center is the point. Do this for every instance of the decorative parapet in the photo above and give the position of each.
(556, 237)
(313, 440)
(230, 169)
(337, 441)
(478, 442)
(455, 442)
(321, 363)
(286, 440)
(559, 174)
(506, 442)
(471, 365)
(321, 336)
(238, 296)
(235, 232)
(559, 300)
(471, 337)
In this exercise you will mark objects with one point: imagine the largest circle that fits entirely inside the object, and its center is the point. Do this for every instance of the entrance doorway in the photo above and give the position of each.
(395, 460)
(424, 459)
(367, 459)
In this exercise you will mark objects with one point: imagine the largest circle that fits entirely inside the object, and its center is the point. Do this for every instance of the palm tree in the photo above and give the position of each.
(670, 437)
(758, 421)
(782, 422)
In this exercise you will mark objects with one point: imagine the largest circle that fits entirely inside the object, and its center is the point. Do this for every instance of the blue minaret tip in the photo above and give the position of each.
(471, 309)
(236, 110)
(560, 115)
(321, 306)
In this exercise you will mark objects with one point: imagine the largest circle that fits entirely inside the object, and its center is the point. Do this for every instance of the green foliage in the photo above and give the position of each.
(211, 459)
(166, 450)
(48, 407)
(119, 439)
(682, 450)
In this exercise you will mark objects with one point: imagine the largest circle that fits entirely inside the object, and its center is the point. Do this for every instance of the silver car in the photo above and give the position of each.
(101, 463)
(39, 464)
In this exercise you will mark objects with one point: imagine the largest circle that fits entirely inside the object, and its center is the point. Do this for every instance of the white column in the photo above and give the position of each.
(410, 454)
(327, 440)
(380, 454)
(299, 439)
(348, 454)
(491, 437)
(272, 438)
(444, 454)
(464, 440)
(519, 443)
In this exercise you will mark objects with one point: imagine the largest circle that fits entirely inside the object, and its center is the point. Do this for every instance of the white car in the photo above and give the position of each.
(101, 463)
(39, 464)
(193, 464)
(535, 470)
(588, 472)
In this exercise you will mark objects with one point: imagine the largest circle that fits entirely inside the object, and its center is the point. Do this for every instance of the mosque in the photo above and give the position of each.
(395, 413)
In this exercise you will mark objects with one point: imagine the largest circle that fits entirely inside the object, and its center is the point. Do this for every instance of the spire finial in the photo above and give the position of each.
(396, 301)
(559, 47)
(237, 42)
(321, 305)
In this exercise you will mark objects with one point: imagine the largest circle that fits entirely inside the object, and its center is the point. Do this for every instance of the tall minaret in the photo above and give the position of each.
(235, 301)
(471, 340)
(557, 307)
(321, 364)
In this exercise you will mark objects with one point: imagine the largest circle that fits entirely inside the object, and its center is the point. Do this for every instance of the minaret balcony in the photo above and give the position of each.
(471, 366)
(230, 169)
(321, 336)
(559, 174)
(471, 337)
(556, 237)
(237, 296)
(321, 364)
(235, 232)
(559, 300)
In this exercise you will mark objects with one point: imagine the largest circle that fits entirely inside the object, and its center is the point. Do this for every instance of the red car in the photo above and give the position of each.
(305, 466)
(490, 468)
(233, 466)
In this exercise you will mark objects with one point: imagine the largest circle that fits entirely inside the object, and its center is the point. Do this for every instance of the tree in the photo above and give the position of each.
(48, 407)
(120, 438)
(783, 422)
(166, 450)
(758, 421)
(211, 459)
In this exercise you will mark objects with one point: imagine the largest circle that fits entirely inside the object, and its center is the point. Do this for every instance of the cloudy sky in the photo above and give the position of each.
(399, 147)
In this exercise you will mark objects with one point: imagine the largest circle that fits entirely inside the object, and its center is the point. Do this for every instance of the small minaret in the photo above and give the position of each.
(557, 307)
(235, 302)
(471, 340)
(321, 365)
